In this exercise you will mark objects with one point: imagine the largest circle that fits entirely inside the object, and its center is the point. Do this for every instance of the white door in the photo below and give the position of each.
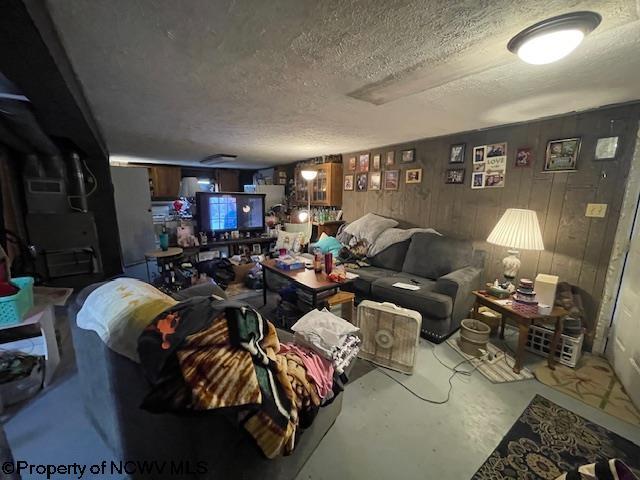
(623, 348)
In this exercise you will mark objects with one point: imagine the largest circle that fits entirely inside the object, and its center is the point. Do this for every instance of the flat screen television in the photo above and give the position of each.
(225, 212)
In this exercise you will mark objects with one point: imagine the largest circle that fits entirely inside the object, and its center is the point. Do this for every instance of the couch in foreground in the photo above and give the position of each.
(444, 269)
(113, 388)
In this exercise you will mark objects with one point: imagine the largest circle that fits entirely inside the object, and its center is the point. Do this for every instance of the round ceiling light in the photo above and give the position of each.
(554, 38)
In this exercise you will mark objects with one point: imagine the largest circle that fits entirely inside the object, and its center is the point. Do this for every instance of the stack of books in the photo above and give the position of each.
(524, 293)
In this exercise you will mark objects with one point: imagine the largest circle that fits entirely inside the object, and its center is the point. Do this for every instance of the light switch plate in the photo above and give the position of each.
(597, 210)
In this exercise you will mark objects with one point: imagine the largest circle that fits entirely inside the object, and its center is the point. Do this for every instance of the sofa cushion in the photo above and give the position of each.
(391, 257)
(433, 256)
(368, 275)
(369, 227)
(425, 300)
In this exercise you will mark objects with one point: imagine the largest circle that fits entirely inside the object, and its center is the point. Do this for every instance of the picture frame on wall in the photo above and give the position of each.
(375, 163)
(363, 163)
(348, 182)
(391, 179)
(362, 179)
(351, 164)
(455, 176)
(413, 175)
(456, 154)
(562, 155)
(390, 159)
(477, 180)
(496, 150)
(524, 157)
(478, 154)
(375, 181)
(606, 148)
(408, 156)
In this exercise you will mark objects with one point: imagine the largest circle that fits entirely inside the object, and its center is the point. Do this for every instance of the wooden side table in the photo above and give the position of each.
(163, 258)
(524, 320)
(330, 228)
(346, 301)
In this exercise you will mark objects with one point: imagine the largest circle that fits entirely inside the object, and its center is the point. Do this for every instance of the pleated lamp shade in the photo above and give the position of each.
(518, 229)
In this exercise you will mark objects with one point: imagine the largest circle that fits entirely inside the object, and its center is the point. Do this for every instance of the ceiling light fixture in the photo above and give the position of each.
(554, 38)
(309, 175)
(218, 158)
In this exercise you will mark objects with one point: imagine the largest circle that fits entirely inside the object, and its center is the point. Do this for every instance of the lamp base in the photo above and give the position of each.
(511, 264)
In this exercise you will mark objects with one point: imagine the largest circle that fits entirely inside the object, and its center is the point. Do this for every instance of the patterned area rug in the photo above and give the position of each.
(497, 370)
(548, 440)
(594, 382)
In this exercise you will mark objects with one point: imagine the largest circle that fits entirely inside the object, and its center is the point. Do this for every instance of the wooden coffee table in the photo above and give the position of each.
(306, 279)
(524, 321)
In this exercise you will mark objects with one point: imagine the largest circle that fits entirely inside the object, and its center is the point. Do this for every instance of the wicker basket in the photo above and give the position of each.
(14, 307)
(474, 335)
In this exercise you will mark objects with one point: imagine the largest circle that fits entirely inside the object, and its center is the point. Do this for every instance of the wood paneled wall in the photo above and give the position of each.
(577, 248)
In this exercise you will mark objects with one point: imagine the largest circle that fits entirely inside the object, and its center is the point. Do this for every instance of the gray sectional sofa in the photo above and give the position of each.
(113, 388)
(445, 269)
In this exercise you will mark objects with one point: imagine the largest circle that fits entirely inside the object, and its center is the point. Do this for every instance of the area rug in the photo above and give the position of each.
(497, 370)
(548, 440)
(593, 382)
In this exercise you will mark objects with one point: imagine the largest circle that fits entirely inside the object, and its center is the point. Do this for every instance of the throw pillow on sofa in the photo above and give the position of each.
(289, 240)
(328, 244)
(369, 227)
(432, 256)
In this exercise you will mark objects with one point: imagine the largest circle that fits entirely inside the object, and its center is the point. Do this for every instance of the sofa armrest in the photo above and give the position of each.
(458, 285)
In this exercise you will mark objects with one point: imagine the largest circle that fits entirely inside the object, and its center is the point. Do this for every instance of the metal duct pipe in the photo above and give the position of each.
(77, 176)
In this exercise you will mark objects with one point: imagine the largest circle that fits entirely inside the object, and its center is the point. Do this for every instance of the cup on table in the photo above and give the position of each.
(164, 241)
(283, 252)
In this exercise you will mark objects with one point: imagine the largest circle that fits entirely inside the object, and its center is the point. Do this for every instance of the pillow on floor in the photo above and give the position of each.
(369, 227)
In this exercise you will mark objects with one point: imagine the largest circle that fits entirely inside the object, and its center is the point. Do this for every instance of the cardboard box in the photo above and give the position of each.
(241, 271)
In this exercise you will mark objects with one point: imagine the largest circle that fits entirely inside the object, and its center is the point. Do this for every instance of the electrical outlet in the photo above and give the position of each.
(597, 210)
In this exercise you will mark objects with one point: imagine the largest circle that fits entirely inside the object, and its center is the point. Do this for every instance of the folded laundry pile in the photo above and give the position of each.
(330, 336)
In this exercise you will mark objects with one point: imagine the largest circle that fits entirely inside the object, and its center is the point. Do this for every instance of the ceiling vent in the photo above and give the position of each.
(218, 158)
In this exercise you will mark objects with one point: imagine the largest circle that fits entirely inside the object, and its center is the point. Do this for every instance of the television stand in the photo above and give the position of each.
(234, 244)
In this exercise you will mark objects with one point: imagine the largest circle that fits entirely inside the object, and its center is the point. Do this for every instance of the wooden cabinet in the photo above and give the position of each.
(164, 181)
(326, 189)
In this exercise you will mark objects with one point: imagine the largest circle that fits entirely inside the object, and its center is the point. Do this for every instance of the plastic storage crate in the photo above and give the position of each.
(568, 350)
(14, 307)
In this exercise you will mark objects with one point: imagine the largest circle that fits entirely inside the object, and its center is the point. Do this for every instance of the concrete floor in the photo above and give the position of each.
(383, 431)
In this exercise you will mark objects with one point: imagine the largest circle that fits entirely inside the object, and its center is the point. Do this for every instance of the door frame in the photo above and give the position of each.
(619, 250)
(635, 228)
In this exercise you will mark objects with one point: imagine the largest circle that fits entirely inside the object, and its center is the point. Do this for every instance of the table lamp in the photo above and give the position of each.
(518, 229)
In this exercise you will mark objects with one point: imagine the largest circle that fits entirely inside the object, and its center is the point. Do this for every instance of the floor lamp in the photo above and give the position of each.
(309, 176)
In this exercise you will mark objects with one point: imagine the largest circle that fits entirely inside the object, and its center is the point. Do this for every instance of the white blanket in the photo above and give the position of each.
(120, 310)
(394, 235)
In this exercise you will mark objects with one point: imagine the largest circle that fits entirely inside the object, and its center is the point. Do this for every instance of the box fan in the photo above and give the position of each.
(390, 334)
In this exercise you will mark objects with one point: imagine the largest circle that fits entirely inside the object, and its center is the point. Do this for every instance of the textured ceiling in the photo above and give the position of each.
(281, 80)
